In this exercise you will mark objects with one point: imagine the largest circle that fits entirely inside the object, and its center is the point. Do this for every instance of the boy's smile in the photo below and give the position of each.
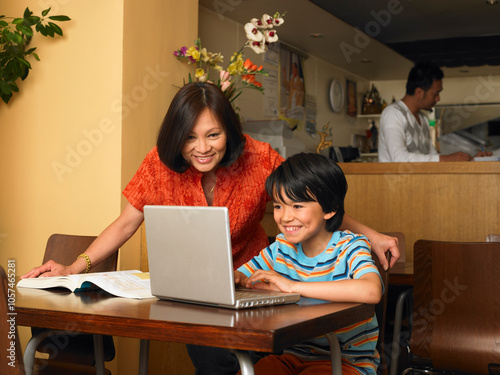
(303, 222)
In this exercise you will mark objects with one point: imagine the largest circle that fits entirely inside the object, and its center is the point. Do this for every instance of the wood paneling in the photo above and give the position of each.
(438, 201)
(453, 201)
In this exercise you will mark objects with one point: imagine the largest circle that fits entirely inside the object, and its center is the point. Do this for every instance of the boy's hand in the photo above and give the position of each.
(240, 278)
(270, 280)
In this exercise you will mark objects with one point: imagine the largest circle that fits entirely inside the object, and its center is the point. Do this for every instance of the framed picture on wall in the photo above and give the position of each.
(352, 108)
(292, 86)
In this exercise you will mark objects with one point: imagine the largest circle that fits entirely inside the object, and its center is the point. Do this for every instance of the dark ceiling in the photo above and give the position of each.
(451, 33)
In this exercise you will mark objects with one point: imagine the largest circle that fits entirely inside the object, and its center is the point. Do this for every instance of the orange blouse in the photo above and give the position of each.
(240, 187)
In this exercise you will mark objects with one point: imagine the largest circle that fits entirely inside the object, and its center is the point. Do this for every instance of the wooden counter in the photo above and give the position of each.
(452, 201)
(447, 201)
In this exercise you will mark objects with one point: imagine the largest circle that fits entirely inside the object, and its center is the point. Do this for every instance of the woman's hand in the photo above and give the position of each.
(381, 243)
(50, 268)
(270, 280)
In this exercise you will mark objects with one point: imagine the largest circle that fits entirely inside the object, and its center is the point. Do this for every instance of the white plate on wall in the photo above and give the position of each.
(336, 95)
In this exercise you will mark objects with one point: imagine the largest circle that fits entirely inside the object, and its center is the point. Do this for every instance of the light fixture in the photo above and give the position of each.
(316, 35)
(491, 2)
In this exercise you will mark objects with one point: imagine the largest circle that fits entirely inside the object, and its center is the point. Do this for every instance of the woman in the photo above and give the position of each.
(202, 158)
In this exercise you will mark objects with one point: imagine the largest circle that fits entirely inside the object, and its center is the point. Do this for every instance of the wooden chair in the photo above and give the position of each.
(83, 353)
(381, 313)
(455, 320)
(11, 357)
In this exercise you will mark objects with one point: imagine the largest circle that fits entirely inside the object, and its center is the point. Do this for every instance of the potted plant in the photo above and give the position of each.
(15, 36)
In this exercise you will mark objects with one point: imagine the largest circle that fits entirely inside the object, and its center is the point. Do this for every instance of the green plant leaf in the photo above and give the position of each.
(45, 12)
(25, 30)
(27, 13)
(55, 28)
(5, 88)
(49, 31)
(3, 23)
(18, 21)
(41, 29)
(24, 62)
(32, 20)
(35, 56)
(59, 18)
(14, 38)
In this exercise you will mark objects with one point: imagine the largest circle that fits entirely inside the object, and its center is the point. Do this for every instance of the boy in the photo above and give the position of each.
(313, 258)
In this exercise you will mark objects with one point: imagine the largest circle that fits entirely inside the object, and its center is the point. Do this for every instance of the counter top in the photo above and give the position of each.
(471, 167)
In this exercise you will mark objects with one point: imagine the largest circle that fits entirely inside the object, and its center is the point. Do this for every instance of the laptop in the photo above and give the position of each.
(190, 259)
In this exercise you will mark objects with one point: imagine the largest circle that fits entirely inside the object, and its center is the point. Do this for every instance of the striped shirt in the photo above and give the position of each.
(347, 256)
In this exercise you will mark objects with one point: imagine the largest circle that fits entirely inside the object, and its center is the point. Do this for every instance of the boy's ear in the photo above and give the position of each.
(329, 215)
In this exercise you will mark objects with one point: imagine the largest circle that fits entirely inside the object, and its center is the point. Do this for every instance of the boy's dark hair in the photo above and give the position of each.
(422, 75)
(185, 109)
(308, 177)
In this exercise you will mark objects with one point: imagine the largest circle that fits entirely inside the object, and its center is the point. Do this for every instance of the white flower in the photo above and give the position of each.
(267, 21)
(257, 23)
(258, 47)
(270, 36)
(253, 33)
(278, 21)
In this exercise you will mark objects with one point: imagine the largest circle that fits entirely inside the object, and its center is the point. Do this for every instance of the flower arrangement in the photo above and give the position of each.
(240, 73)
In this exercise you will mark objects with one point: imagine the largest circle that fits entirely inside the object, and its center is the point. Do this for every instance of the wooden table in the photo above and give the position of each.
(266, 329)
(401, 274)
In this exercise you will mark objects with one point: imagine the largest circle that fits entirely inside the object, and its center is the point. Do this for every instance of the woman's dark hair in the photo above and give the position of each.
(421, 76)
(185, 109)
(308, 177)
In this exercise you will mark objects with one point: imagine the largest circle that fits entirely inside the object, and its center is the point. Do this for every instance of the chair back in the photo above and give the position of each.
(11, 357)
(381, 311)
(64, 248)
(456, 296)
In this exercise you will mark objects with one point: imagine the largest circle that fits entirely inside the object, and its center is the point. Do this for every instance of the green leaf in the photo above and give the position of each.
(41, 29)
(59, 18)
(25, 30)
(30, 21)
(55, 28)
(5, 88)
(18, 21)
(49, 31)
(35, 56)
(3, 23)
(45, 12)
(27, 13)
(24, 62)
(14, 38)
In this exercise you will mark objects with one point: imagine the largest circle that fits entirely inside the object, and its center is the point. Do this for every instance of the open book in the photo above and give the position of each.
(128, 284)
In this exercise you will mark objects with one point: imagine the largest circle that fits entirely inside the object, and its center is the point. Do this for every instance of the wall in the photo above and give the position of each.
(219, 34)
(82, 123)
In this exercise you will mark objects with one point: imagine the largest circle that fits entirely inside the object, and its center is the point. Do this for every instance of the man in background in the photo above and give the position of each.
(404, 134)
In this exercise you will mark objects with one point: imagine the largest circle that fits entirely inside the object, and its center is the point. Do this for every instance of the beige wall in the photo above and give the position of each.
(465, 90)
(82, 123)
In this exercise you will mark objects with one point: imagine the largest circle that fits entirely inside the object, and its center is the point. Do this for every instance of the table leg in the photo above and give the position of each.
(335, 353)
(245, 361)
(99, 354)
(144, 357)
